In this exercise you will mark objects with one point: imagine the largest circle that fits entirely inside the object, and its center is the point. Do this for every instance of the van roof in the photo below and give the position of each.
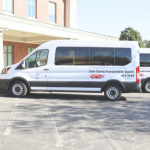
(78, 41)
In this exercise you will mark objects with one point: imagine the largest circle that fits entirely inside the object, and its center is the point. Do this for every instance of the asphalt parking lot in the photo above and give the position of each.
(74, 121)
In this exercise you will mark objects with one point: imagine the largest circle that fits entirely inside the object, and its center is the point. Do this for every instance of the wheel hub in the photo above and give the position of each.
(17, 89)
(112, 92)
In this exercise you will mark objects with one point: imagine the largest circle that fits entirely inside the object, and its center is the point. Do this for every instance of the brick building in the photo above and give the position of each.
(25, 24)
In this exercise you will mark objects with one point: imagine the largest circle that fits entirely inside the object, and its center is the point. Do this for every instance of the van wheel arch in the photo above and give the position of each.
(20, 79)
(121, 85)
(144, 84)
(145, 80)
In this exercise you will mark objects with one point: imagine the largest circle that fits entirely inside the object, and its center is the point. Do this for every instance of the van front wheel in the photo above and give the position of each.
(18, 89)
(146, 87)
(113, 92)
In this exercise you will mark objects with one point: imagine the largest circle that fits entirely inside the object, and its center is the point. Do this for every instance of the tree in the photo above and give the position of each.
(133, 36)
(145, 42)
(148, 45)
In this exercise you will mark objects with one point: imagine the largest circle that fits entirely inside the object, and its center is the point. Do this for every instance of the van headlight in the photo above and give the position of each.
(5, 70)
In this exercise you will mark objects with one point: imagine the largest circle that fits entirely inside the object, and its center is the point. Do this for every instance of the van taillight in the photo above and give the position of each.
(138, 74)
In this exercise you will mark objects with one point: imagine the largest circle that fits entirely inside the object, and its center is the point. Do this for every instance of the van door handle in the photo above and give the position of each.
(45, 69)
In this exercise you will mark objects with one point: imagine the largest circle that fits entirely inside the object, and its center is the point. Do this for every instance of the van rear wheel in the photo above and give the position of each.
(112, 92)
(18, 89)
(146, 87)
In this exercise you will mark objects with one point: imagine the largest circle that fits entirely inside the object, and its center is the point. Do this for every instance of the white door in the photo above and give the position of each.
(101, 58)
(37, 70)
(70, 67)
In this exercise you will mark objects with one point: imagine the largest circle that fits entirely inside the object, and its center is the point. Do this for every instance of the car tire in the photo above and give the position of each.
(146, 87)
(18, 89)
(112, 92)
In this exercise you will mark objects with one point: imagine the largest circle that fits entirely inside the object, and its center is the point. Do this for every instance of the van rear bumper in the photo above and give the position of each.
(132, 87)
(4, 84)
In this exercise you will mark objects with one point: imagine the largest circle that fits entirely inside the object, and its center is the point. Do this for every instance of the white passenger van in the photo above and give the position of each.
(145, 69)
(76, 66)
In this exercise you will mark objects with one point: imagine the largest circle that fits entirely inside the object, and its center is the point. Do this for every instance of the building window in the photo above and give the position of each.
(32, 9)
(8, 6)
(52, 12)
(8, 55)
(30, 49)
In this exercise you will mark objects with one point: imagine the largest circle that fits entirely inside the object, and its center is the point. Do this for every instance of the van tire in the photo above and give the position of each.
(18, 89)
(112, 92)
(146, 87)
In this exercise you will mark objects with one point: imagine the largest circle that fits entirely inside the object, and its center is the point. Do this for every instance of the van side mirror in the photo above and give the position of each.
(23, 64)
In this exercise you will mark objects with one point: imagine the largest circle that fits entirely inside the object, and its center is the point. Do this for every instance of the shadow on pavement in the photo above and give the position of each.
(64, 96)
(75, 114)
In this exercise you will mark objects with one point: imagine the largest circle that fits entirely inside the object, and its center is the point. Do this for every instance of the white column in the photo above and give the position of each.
(1, 48)
(71, 13)
(1, 51)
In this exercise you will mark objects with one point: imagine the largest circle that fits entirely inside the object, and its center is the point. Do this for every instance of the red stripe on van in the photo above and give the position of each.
(96, 76)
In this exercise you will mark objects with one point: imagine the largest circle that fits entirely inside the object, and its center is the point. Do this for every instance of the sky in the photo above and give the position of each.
(110, 17)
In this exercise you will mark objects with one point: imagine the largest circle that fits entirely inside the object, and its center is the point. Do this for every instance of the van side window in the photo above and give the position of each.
(72, 56)
(41, 58)
(122, 56)
(145, 60)
(30, 61)
(102, 56)
(37, 59)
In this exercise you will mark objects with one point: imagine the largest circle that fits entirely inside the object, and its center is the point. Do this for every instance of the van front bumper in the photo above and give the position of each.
(4, 84)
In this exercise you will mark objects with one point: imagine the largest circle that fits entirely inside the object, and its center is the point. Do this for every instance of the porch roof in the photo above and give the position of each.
(32, 31)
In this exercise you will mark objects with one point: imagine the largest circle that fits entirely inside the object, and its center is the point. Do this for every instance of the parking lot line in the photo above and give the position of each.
(59, 140)
(11, 121)
(114, 143)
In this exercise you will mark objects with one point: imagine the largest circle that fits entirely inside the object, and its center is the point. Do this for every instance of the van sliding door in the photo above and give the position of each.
(101, 60)
(71, 67)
